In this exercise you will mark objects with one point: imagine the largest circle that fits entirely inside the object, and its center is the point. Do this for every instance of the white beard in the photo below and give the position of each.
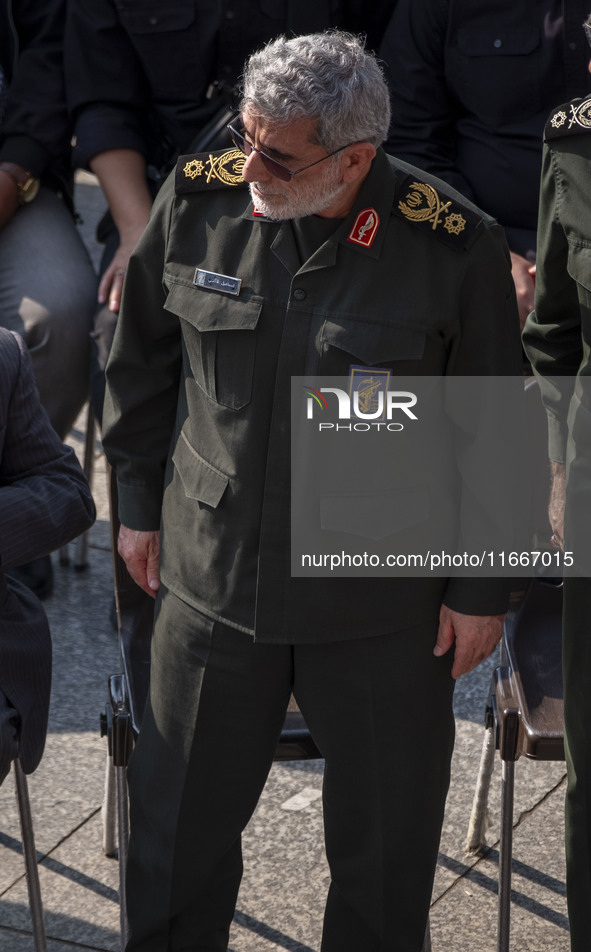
(298, 199)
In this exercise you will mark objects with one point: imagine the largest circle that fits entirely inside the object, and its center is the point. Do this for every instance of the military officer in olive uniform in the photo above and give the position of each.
(557, 338)
(304, 250)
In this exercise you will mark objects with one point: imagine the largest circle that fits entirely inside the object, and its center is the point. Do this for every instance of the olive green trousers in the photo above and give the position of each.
(379, 709)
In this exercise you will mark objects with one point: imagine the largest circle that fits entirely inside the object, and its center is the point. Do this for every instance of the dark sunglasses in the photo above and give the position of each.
(272, 165)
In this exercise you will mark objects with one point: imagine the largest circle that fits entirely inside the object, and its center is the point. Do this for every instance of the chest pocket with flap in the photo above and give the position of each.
(220, 334)
(369, 343)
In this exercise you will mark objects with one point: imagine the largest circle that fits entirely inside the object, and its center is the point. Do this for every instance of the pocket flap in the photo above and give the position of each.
(375, 516)
(200, 479)
(372, 343)
(211, 311)
(579, 264)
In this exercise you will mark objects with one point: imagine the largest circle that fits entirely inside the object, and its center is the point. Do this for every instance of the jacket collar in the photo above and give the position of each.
(362, 231)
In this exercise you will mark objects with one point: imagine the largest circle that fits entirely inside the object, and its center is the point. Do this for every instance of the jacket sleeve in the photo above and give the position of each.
(484, 403)
(422, 129)
(552, 333)
(36, 129)
(106, 90)
(44, 498)
(143, 377)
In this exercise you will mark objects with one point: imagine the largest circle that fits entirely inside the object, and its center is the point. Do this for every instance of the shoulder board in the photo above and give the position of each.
(434, 210)
(209, 170)
(571, 119)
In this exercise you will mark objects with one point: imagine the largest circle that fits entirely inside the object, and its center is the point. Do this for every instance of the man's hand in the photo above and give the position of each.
(110, 288)
(475, 638)
(556, 505)
(139, 551)
(524, 273)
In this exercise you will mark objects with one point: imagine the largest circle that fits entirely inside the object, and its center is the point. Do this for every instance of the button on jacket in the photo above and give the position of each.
(198, 404)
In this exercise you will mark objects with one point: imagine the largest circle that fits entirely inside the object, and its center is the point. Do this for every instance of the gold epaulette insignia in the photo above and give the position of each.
(572, 118)
(209, 170)
(424, 205)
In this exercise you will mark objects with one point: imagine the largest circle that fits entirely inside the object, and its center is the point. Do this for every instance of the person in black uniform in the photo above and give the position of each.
(47, 282)
(472, 85)
(299, 250)
(557, 339)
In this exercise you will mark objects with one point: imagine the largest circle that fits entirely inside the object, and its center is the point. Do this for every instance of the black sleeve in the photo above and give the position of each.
(105, 86)
(36, 130)
(44, 498)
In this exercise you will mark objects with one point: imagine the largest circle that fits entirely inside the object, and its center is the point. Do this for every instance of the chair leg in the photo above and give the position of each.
(81, 548)
(505, 856)
(32, 872)
(476, 839)
(108, 810)
(123, 824)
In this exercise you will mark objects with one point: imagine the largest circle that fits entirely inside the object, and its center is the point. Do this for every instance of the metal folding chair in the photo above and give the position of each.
(30, 856)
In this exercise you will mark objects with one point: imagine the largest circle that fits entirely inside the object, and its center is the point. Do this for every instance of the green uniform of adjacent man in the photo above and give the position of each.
(557, 338)
(361, 261)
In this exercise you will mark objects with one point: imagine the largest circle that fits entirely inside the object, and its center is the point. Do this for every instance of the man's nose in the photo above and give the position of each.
(254, 169)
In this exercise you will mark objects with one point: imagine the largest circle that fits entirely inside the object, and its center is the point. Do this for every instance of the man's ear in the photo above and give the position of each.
(358, 159)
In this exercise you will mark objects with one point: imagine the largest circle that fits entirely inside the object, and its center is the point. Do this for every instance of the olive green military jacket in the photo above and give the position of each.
(557, 334)
(219, 314)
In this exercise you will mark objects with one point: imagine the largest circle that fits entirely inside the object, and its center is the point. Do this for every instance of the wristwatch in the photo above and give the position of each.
(27, 185)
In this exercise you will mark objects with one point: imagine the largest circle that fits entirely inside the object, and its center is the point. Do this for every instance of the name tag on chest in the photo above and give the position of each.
(216, 282)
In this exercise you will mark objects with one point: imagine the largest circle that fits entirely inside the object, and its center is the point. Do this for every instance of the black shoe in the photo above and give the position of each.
(36, 575)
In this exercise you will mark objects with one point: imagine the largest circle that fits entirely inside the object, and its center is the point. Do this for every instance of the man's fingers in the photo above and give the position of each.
(140, 551)
(445, 637)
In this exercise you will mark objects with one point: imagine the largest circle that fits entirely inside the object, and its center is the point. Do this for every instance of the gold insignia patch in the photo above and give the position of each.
(571, 119)
(226, 167)
(580, 115)
(221, 169)
(454, 223)
(423, 204)
(193, 168)
(431, 208)
(559, 119)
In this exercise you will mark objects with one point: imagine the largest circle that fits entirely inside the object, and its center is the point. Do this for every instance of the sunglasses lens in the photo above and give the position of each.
(275, 168)
(240, 142)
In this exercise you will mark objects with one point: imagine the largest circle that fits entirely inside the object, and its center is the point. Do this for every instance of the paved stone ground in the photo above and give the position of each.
(280, 904)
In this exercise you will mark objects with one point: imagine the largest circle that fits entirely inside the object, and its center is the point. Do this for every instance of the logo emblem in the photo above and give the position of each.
(365, 228)
(580, 115)
(558, 120)
(367, 386)
(226, 168)
(424, 205)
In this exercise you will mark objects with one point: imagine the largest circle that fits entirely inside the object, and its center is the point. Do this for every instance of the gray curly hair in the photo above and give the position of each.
(327, 76)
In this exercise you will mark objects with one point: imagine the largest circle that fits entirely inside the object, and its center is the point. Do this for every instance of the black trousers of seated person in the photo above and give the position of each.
(379, 709)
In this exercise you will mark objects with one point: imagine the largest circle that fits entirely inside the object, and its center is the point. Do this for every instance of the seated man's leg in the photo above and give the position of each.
(48, 294)
(216, 708)
(380, 710)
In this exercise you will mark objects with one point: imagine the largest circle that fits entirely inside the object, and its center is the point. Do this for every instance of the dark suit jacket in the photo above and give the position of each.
(44, 502)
